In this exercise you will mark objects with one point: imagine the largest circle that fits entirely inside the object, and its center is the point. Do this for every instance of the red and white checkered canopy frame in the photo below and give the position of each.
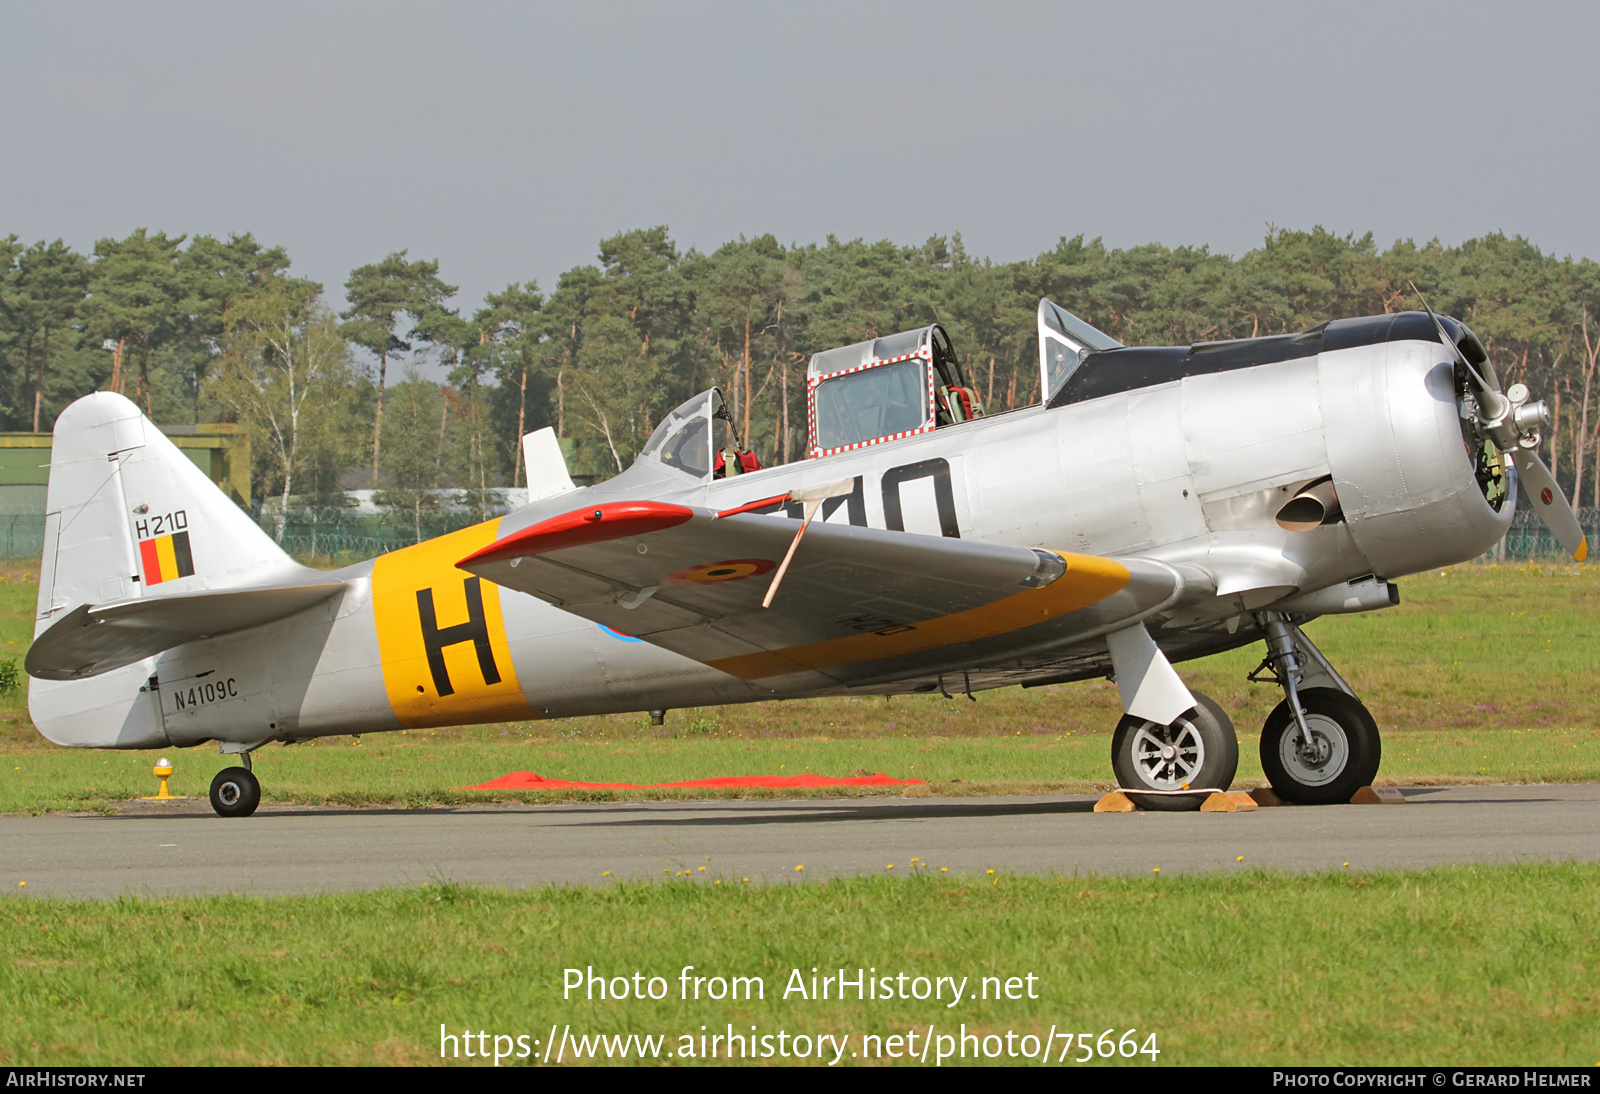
(927, 425)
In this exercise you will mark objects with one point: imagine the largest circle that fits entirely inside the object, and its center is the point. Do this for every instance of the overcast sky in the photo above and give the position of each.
(506, 140)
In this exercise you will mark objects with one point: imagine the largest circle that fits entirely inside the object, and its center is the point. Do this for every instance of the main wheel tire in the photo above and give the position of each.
(235, 792)
(1347, 749)
(1198, 750)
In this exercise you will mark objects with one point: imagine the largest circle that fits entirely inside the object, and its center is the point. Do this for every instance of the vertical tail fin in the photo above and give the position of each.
(129, 515)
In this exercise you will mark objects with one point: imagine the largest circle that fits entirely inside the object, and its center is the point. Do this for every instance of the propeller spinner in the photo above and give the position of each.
(1514, 423)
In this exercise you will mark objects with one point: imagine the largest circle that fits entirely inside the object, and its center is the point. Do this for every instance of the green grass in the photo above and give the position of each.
(1460, 966)
(1483, 674)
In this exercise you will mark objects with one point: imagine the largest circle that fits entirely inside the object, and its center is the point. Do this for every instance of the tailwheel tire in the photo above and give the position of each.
(235, 792)
(1199, 750)
(1343, 757)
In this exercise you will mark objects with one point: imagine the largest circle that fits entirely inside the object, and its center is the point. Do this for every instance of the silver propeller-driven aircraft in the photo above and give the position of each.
(1160, 504)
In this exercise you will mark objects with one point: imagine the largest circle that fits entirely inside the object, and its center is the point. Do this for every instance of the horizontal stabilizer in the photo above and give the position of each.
(96, 638)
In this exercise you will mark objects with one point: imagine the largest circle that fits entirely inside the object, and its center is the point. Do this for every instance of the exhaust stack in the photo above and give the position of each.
(1312, 507)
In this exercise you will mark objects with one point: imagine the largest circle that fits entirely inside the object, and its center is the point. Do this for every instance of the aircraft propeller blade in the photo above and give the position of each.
(1494, 403)
(1550, 503)
(1513, 423)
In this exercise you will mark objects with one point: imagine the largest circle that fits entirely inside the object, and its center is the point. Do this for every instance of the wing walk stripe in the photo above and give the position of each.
(1088, 580)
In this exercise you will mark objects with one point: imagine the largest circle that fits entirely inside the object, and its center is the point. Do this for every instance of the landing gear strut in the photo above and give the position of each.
(1320, 745)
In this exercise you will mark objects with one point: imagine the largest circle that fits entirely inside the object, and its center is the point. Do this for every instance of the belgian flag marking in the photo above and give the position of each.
(166, 557)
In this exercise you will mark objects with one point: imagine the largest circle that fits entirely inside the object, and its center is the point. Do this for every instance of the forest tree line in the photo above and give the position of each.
(206, 330)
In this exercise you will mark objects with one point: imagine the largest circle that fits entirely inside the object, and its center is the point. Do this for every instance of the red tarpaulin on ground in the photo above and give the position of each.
(527, 780)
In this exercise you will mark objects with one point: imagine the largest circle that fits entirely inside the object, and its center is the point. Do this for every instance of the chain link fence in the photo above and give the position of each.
(1529, 538)
(340, 537)
(23, 535)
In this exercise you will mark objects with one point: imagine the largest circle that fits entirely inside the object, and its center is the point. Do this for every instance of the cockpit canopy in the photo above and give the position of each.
(870, 392)
(886, 388)
(690, 441)
(683, 440)
(912, 382)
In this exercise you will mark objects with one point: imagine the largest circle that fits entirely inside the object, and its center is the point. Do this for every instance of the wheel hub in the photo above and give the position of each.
(1316, 752)
(1168, 757)
(1321, 760)
(229, 793)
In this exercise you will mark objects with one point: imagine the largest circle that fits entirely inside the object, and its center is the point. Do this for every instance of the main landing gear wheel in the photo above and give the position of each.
(235, 792)
(1199, 750)
(1343, 755)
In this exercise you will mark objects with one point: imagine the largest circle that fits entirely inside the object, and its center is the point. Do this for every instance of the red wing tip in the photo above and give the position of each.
(591, 524)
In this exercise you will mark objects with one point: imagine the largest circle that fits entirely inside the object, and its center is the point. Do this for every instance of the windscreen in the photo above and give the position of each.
(1064, 341)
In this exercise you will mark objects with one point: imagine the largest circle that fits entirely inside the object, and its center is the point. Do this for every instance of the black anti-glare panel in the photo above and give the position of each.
(1113, 371)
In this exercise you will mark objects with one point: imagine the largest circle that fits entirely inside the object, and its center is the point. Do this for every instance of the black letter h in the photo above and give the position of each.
(474, 630)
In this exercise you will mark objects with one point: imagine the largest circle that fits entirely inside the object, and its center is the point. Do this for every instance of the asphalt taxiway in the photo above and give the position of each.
(286, 849)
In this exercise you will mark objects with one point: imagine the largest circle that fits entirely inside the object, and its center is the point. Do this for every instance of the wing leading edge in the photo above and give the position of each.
(857, 606)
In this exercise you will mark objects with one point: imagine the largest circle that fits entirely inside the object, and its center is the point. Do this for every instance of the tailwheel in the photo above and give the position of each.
(1341, 757)
(1198, 751)
(235, 792)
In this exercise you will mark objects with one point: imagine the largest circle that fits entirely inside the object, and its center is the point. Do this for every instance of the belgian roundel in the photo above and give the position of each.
(733, 569)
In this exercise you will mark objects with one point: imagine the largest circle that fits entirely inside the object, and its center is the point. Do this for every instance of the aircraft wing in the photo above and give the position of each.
(856, 605)
(96, 638)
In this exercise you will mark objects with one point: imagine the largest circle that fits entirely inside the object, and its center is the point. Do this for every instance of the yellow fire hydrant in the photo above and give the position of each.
(163, 771)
